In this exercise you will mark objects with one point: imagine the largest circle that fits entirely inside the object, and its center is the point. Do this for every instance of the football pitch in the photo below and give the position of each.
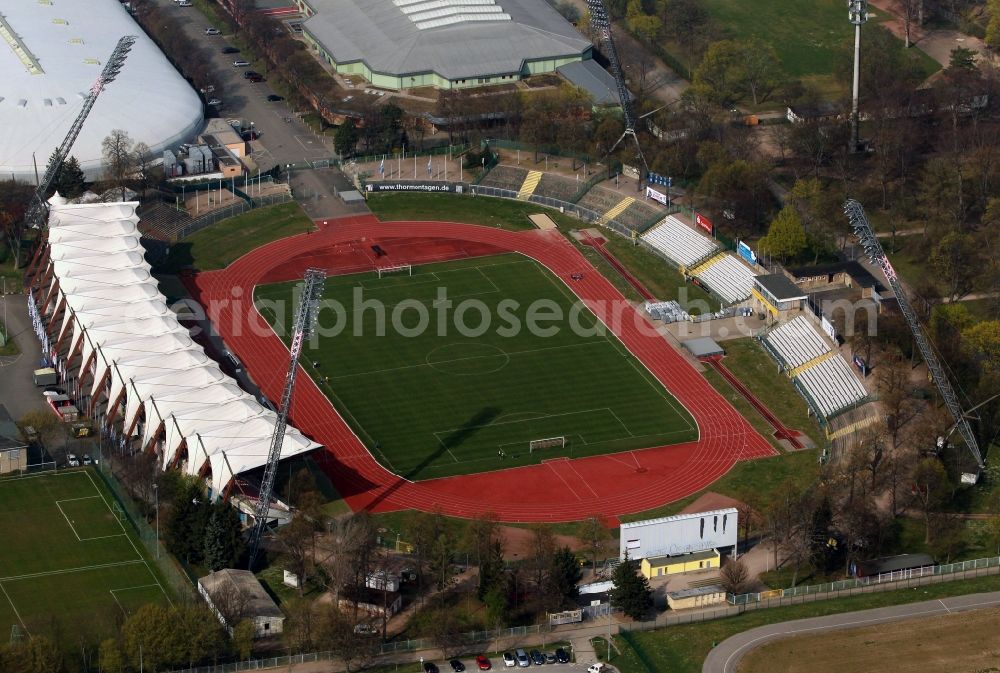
(433, 393)
(69, 562)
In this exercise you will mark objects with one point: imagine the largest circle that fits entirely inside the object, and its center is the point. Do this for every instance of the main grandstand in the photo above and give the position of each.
(54, 54)
(105, 326)
(447, 44)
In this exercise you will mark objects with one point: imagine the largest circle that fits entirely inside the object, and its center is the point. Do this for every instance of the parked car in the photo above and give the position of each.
(508, 660)
(87, 459)
(597, 668)
(550, 657)
(430, 667)
(247, 74)
(456, 666)
(53, 390)
(212, 31)
(274, 98)
(522, 658)
(240, 63)
(184, 3)
(483, 663)
(256, 79)
(561, 656)
(72, 460)
(214, 102)
(230, 50)
(537, 658)
(208, 89)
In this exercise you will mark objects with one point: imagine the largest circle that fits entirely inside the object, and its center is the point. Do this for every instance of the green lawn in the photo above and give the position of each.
(512, 215)
(436, 401)
(224, 242)
(68, 564)
(682, 649)
(810, 38)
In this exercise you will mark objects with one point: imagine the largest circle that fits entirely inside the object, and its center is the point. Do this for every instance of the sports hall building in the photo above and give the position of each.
(446, 44)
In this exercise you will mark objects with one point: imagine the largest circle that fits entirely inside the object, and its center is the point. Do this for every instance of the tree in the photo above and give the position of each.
(223, 544)
(993, 27)
(786, 238)
(543, 547)
(110, 656)
(243, 634)
(930, 490)
(14, 199)
(142, 162)
(982, 344)
(719, 74)
(70, 181)
(595, 537)
(631, 593)
(346, 138)
(955, 259)
(119, 158)
(563, 576)
(735, 576)
(297, 540)
(152, 635)
(497, 601)
(185, 523)
(50, 430)
(760, 69)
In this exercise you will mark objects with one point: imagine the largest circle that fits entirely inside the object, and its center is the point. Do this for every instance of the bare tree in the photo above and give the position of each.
(233, 603)
(595, 537)
(119, 158)
(736, 577)
(143, 162)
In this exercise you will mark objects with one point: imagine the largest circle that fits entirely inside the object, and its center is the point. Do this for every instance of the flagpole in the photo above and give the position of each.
(414, 166)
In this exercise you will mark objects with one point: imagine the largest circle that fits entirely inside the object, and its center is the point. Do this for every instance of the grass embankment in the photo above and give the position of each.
(224, 242)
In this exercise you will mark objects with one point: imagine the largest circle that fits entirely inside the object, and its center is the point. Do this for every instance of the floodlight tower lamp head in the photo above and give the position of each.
(857, 12)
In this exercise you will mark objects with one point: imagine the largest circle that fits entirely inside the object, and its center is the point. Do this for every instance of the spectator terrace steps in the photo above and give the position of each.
(529, 185)
(616, 210)
(853, 427)
(701, 268)
(812, 363)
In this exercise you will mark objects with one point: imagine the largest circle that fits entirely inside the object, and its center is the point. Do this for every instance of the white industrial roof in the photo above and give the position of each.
(457, 39)
(115, 314)
(51, 53)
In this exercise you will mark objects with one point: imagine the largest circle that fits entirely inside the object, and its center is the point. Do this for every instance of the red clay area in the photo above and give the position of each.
(557, 490)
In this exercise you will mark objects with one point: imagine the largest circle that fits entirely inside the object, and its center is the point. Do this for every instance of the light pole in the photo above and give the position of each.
(857, 14)
(156, 506)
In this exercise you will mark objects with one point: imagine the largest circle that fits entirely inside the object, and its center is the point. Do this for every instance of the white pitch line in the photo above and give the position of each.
(68, 522)
(66, 571)
(14, 608)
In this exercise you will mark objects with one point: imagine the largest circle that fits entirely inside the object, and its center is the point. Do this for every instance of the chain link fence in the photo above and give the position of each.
(233, 209)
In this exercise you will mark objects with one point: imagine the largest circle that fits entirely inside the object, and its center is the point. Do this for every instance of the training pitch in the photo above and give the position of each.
(444, 400)
(69, 562)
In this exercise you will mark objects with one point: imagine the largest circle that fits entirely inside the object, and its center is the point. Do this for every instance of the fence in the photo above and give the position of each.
(469, 638)
(882, 582)
(178, 578)
(233, 209)
(30, 470)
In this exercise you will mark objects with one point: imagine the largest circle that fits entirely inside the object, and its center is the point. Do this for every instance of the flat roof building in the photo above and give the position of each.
(447, 44)
(236, 594)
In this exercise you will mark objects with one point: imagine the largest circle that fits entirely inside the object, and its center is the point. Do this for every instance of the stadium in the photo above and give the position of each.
(446, 44)
(54, 53)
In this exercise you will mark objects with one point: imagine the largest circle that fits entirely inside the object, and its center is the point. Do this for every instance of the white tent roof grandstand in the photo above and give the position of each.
(117, 318)
(457, 39)
(53, 54)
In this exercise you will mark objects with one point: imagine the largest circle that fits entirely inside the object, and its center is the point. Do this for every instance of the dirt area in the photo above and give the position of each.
(956, 643)
(203, 202)
(517, 542)
(711, 500)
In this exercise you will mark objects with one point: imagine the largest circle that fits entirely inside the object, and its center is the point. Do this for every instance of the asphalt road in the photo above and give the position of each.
(18, 393)
(725, 658)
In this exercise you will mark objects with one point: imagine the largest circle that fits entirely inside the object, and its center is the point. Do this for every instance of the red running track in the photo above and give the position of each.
(598, 245)
(557, 490)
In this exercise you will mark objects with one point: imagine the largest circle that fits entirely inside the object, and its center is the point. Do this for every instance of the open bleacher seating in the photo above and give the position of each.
(162, 222)
(796, 342)
(637, 215)
(600, 200)
(679, 243)
(833, 385)
(505, 177)
(822, 373)
(557, 187)
(728, 277)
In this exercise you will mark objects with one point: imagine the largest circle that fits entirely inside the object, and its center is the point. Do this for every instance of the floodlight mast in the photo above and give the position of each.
(302, 328)
(866, 236)
(600, 22)
(38, 210)
(857, 14)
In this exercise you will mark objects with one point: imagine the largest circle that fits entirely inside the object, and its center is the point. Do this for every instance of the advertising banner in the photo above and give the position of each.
(414, 186)
(746, 253)
(703, 222)
(828, 328)
(656, 196)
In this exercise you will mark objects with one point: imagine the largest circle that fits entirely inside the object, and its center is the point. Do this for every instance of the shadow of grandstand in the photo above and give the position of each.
(482, 418)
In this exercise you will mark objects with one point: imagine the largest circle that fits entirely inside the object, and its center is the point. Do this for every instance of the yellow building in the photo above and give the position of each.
(658, 566)
(696, 597)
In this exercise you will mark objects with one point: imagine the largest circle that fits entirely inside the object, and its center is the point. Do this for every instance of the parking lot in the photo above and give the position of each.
(281, 142)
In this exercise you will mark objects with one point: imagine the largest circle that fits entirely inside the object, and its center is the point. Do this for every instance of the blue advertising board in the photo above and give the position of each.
(746, 253)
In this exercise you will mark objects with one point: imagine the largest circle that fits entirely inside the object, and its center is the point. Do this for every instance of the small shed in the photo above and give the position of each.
(696, 597)
(235, 595)
(777, 295)
(703, 347)
(658, 566)
(372, 601)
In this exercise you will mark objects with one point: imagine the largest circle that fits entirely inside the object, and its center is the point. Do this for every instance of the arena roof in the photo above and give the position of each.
(457, 39)
(51, 53)
(115, 317)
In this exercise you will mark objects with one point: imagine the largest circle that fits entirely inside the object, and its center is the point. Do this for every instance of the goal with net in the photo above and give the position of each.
(399, 268)
(547, 443)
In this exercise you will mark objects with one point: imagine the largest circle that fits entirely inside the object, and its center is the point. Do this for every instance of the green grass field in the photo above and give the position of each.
(444, 404)
(68, 563)
(226, 241)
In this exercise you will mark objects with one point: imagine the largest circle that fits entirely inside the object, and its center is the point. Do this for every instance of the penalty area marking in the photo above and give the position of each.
(14, 608)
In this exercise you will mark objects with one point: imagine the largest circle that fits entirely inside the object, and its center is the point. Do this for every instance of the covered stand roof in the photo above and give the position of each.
(116, 315)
